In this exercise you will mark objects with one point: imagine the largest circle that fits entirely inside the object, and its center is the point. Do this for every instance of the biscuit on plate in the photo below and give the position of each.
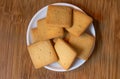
(65, 53)
(50, 32)
(42, 53)
(34, 35)
(80, 23)
(45, 32)
(59, 16)
(83, 44)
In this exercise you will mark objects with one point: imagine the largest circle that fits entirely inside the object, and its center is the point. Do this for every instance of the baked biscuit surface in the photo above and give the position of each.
(83, 44)
(42, 53)
(45, 32)
(80, 23)
(34, 35)
(65, 53)
(59, 15)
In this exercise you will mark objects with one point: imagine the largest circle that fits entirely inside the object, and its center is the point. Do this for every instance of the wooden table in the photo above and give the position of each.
(15, 62)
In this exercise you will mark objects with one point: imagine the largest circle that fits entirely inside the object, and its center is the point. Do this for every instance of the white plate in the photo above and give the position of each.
(41, 14)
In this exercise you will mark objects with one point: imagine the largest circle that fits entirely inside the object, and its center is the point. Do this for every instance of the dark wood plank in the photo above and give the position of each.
(15, 62)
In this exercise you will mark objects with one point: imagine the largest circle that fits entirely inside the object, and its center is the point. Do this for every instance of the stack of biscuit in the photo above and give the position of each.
(61, 37)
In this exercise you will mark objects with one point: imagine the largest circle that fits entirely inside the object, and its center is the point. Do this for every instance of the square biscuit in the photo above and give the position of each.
(59, 16)
(45, 32)
(42, 53)
(83, 44)
(65, 53)
(80, 23)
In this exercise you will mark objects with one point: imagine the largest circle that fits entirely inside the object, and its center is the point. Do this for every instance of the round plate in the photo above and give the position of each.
(42, 14)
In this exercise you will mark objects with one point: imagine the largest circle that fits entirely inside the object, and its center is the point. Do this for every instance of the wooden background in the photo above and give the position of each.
(15, 62)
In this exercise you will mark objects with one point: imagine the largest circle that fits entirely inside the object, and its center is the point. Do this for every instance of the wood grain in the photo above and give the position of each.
(15, 62)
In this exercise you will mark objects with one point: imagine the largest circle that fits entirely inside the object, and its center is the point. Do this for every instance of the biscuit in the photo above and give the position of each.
(34, 35)
(38, 34)
(45, 32)
(59, 16)
(80, 23)
(65, 53)
(50, 32)
(42, 53)
(83, 44)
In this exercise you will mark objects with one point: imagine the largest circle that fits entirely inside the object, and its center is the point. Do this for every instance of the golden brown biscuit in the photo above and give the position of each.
(59, 16)
(45, 32)
(42, 53)
(82, 44)
(65, 53)
(80, 22)
(34, 35)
